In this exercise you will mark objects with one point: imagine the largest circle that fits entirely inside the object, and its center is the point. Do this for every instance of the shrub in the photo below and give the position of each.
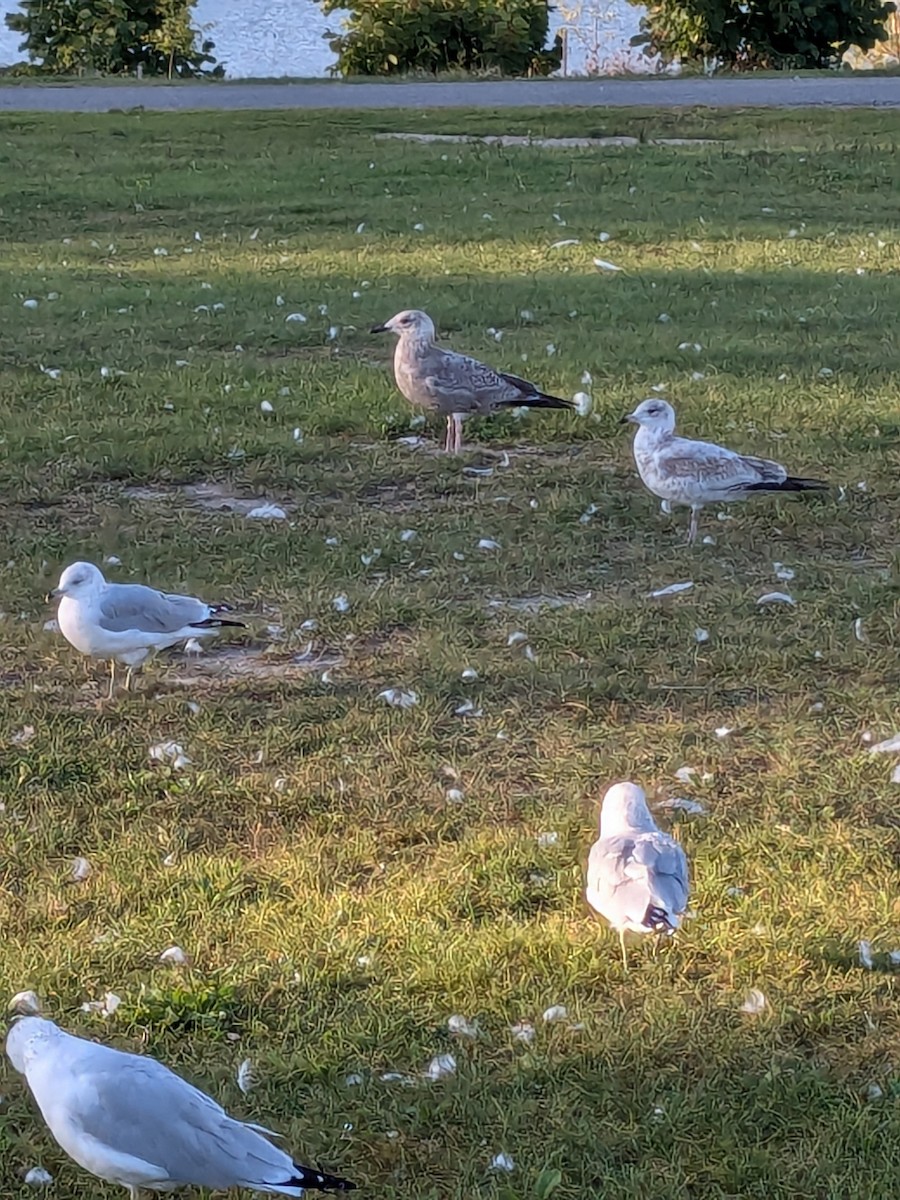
(111, 36)
(779, 34)
(388, 37)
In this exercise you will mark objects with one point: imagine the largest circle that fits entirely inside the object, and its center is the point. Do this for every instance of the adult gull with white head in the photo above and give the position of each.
(128, 1119)
(637, 876)
(125, 622)
(694, 474)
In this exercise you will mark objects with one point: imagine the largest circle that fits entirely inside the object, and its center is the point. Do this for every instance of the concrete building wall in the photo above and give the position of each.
(596, 36)
(267, 38)
(271, 38)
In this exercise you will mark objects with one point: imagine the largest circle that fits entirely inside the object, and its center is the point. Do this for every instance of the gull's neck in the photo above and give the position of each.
(416, 339)
(649, 436)
(632, 820)
(412, 346)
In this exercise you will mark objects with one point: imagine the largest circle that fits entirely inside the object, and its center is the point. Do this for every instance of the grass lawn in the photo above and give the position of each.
(344, 876)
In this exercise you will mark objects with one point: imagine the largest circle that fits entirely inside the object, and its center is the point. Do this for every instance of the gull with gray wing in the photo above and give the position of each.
(454, 385)
(694, 474)
(637, 876)
(128, 1119)
(125, 622)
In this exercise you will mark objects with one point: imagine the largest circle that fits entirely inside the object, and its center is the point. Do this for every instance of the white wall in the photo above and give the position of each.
(596, 36)
(284, 37)
(267, 38)
(263, 38)
(270, 38)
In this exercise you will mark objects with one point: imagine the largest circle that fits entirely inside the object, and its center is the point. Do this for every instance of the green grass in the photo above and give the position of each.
(336, 905)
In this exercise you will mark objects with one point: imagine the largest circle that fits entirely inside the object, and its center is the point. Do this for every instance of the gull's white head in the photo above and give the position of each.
(411, 323)
(28, 1039)
(625, 810)
(657, 415)
(78, 580)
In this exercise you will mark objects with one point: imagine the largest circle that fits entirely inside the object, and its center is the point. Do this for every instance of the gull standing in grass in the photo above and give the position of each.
(637, 876)
(131, 1121)
(452, 384)
(125, 622)
(697, 473)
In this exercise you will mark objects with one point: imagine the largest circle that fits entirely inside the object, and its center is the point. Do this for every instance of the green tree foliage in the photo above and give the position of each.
(762, 34)
(389, 37)
(111, 37)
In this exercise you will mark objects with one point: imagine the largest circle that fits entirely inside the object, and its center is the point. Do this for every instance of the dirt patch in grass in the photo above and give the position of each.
(392, 497)
(214, 497)
(543, 143)
(531, 605)
(240, 662)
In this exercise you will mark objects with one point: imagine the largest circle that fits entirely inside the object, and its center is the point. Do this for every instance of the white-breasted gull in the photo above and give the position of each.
(694, 474)
(125, 622)
(128, 1119)
(637, 876)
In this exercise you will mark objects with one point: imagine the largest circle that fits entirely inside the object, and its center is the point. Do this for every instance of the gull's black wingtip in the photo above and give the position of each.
(793, 483)
(217, 623)
(657, 919)
(537, 400)
(807, 485)
(318, 1181)
(542, 400)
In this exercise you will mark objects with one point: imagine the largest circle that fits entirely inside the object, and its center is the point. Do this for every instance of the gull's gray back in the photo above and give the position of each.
(682, 470)
(446, 382)
(629, 873)
(126, 606)
(137, 1107)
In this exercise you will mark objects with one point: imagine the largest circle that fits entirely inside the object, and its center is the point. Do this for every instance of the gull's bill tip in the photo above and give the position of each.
(379, 329)
(628, 419)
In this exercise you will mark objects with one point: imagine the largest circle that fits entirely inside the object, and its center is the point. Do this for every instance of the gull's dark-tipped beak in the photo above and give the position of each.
(52, 595)
(628, 419)
(379, 329)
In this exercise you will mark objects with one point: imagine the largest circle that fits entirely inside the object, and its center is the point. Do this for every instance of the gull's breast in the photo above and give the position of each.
(77, 628)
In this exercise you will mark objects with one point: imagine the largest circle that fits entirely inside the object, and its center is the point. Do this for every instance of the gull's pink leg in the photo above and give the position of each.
(692, 532)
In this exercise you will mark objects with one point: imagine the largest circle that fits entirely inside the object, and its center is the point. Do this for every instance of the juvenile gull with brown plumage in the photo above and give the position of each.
(451, 384)
(694, 474)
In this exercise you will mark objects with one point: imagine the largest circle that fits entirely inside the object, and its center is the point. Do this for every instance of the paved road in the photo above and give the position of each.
(787, 92)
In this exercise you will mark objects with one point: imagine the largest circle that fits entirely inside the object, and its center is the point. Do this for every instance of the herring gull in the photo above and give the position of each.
(450, 384)
(125, 622)
(681, 471)
(128, 1119)
(637, 876)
